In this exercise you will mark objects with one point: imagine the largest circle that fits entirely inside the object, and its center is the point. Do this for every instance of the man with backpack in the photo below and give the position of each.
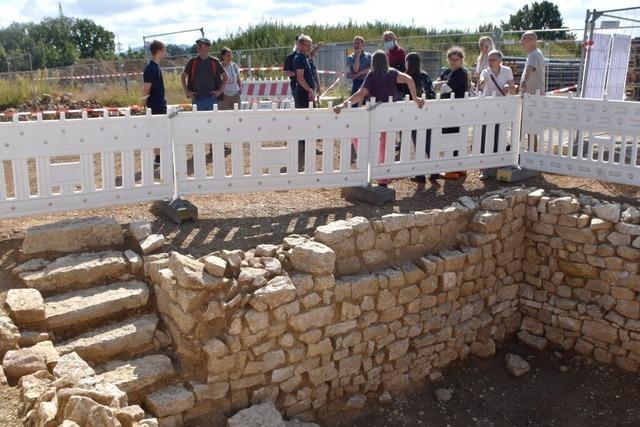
(204, 78)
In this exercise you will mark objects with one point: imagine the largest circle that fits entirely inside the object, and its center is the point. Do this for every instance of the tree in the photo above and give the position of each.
(93, 40)
(175, 50)
(543, 15)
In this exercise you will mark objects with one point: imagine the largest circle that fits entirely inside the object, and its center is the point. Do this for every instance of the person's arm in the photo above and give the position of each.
(146, 90)
(183, 78)
(315, 49)
(356, 62)
(301, 81)
(239, 80)
(510, 87)
(356, 98)
(407, 80)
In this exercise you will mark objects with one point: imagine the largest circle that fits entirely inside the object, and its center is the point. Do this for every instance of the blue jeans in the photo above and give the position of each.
(205, 103)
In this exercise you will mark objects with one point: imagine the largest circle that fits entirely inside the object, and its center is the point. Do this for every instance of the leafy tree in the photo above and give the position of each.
(92, 40)
(543, 15)
(175, 50)
(487, 28)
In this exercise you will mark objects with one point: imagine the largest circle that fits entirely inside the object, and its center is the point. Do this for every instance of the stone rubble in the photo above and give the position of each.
(516, 365)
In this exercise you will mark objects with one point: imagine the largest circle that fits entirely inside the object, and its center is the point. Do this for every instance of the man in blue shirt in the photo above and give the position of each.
(359, 63)
(153, 88)
(305, 82)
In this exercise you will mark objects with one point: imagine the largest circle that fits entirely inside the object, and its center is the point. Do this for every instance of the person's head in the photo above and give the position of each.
(529, 41)
(379, 62)
(158, 50)
(412, 63)
(304, 44)
(455, 56)
(485, 44)
(495, 60)
(389, 39)
(203, 45)
(358, 43)
(226, 55)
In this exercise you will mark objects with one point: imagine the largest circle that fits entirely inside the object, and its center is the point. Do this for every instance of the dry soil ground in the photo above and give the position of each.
(483, 392)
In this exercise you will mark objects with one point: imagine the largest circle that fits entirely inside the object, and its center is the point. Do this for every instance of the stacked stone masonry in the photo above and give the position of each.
(366, 309)
(363, 308)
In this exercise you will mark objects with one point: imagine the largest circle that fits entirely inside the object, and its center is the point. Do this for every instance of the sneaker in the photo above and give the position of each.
(419, 178)
(156, 161)
(383, 184)
(434, 177)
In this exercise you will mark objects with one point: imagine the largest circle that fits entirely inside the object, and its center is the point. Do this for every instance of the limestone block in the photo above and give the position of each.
(486, 222)
(152, 243)
(85, 411)
(397, 221)
(72, 235)
(170, 400)
(313, 318)
(140, 229)
(516, 365)
(314, 258)
(17, 363)
(71, 365)
(25, 305)
(264, 414)
(279, 290)
(608, 211)
(333, 233)
(266, 250)
(215, 266)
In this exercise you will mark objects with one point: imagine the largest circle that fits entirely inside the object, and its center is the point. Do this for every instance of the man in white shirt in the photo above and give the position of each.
(532, 80)
(497, 80)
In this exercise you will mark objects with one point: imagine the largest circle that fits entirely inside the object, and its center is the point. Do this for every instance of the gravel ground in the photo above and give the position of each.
(561, 389)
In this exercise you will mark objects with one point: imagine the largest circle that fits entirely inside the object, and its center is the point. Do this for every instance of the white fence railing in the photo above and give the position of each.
(68, 164)
(269, 150)
(444, 136)
(582, 137)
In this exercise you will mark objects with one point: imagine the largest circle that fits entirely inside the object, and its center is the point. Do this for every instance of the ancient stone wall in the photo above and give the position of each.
(581, 278)
(284, 323)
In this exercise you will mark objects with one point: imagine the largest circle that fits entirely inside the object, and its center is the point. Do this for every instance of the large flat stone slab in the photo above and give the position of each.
(110, 340)
(132, 376)
(72, 308)
(77, 271)
(73, 235)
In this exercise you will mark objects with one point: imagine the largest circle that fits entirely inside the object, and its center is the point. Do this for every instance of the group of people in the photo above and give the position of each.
(393, 74)
(386, 75)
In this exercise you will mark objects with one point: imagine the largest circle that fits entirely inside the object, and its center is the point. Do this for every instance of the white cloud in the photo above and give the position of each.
(131, 19)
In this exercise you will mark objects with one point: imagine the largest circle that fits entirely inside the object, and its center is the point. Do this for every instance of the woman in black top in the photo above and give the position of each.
(424, 86)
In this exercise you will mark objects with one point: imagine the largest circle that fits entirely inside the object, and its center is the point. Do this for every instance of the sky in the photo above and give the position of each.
(131, 19)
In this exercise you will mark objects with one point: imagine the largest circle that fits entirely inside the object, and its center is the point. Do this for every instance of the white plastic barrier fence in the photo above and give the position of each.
(444, 136)
(67, 164)
(228, 151)
(590, 138)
